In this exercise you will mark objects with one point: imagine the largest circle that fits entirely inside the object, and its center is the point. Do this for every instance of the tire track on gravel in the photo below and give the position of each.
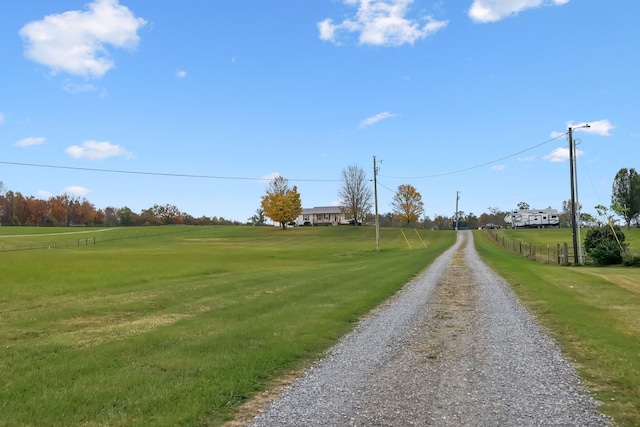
(453, 348)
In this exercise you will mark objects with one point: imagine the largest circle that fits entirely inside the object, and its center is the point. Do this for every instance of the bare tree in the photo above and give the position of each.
(355, 194)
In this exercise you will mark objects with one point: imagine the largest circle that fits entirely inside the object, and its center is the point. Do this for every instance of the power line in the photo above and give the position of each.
(238, 178)
(477, 166)
(180, 175)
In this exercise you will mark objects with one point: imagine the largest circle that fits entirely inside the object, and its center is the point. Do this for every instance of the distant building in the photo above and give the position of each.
(533, 218)
(322, 215)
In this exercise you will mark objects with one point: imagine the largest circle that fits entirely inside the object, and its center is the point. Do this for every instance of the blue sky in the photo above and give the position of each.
(202, 101)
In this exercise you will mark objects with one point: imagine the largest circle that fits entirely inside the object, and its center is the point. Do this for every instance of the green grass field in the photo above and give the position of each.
(544, 236)
(593, 312)
(541, 244)
(179, 325)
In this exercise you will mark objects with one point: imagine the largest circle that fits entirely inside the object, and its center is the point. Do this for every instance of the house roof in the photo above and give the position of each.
(322, 210)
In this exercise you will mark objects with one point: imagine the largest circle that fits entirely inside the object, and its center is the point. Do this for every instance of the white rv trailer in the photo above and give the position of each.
(533, 218)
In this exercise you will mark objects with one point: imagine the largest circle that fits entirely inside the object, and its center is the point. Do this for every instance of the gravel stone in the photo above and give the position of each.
(453, 348)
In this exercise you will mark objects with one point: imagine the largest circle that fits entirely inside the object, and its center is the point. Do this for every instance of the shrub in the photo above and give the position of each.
(603, 247)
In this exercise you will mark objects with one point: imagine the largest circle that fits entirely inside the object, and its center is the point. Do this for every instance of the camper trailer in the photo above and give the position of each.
(533, 218)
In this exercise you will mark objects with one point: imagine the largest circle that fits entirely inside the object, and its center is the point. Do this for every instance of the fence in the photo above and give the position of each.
(13, 243)
(26, 245)
(559, 253)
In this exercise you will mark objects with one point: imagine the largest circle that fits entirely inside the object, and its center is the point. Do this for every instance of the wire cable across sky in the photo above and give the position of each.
(476, 166)
(238, 178)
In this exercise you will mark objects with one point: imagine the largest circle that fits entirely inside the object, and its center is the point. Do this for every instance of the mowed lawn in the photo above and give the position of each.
(179, 325)
(593, 313)
(552, 236)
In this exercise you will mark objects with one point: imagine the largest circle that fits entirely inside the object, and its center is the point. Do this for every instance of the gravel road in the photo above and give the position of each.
(454, 348)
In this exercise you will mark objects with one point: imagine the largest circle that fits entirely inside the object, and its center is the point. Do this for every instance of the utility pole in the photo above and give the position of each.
(457, 217)
(577, 259)
(375, 193)
(573, 200)
(575, 172)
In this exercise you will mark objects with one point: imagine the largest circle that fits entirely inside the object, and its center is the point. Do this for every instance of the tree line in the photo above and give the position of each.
(282, 204)
(68, 211)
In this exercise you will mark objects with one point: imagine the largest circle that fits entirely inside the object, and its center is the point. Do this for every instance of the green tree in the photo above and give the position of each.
(281, 203)
(407, 204)
(605, 245)
(125, 217)
(625, 195)
(257, 218)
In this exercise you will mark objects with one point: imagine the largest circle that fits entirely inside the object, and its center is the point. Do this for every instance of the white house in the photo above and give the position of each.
(322, 215)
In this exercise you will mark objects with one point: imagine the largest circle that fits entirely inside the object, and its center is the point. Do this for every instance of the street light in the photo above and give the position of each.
(576, 250)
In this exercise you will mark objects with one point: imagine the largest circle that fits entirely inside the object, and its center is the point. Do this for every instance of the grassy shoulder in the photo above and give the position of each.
(552, 236)
(593, 313)
(179, 328)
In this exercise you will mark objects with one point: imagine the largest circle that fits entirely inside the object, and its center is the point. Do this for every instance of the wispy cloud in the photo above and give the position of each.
(375, 119)
(28, 142)
(76, 191)
(181, 74)
(96, 150)
(526, 159)
(498, 168)
(381, 23)
(269, 177)
(76, 41)
(44, 195)
(484, 11)
(74, 87)
(1, 118)
(561, 154)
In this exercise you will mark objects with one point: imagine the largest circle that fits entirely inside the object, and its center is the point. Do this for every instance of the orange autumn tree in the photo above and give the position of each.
(407, 204)
(281, 203)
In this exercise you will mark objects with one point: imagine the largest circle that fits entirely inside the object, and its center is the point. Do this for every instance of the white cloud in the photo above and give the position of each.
(28, 142)
(381, 23)
(498, 168)
(600, 127)
(75, 41)
(76, 191)
(375, 119)
(96, 150)
(494, 10)
(1, 118)
(43, 195)
(561, 154)
(181, 74)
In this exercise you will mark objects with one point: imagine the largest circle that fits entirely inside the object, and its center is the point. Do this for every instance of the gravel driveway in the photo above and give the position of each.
(454, 348)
